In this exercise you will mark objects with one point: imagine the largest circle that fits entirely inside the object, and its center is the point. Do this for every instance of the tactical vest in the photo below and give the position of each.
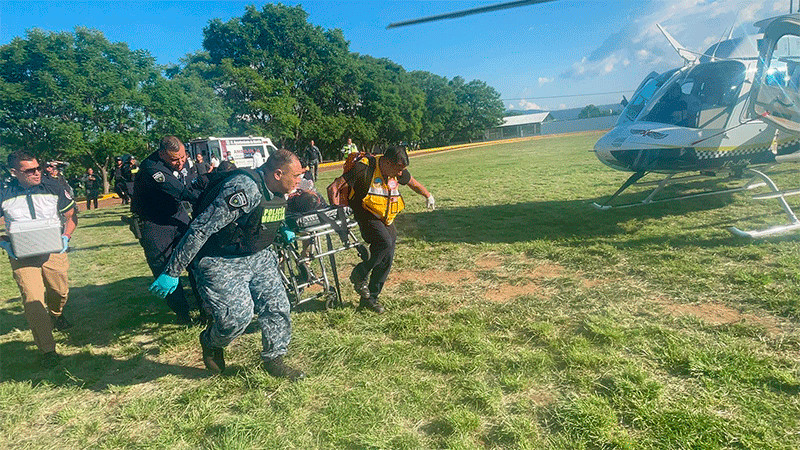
(252, 232)
(383, 198)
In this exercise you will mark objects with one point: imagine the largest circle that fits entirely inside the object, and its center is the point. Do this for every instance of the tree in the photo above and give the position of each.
(478, 108)
(280, 74)
(589, 111)
(390, 102)
(74, 96)
(440, 107)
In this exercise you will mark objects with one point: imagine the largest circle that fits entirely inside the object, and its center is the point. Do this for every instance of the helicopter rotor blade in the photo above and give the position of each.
(467, 12)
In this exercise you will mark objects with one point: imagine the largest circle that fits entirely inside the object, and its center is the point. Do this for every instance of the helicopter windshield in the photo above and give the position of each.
(643, 95)
(703, 97)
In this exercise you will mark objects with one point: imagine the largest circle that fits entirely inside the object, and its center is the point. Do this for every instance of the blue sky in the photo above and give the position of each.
(547, 56)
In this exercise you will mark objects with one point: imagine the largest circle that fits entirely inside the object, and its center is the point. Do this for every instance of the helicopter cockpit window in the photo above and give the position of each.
(703, 97)
(778, 95)
(643, 95)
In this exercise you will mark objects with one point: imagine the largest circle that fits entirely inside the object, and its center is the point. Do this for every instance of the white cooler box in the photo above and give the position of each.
(35, 237)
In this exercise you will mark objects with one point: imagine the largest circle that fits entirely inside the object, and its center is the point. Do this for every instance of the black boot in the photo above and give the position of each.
(360, 282)
(213, 358)
(277, 368)
(60, 323)
(370, 303)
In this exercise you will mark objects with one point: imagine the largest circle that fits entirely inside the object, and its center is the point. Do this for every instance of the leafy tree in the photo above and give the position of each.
(478, 107)
(589, 111)
(390, 102)
(280, 74)
(440, 107)
(73, 96)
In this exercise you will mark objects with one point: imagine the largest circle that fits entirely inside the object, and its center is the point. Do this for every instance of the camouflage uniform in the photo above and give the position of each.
(233, 288)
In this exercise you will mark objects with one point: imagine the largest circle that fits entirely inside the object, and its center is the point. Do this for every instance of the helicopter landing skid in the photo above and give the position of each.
(668, 180)
(794, 223)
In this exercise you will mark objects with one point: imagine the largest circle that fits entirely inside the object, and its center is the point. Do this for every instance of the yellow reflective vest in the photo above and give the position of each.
(383, 198)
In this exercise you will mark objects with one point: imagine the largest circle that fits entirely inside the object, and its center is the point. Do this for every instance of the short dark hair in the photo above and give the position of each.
(19, 155)
(277, 160)
(169, 144)
(397, 154)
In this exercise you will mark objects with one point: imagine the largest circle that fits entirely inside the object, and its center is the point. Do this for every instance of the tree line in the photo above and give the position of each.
(79, 97)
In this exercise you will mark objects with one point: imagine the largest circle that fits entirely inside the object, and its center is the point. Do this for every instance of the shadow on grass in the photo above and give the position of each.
(120, 314)
(545, 220)
(19, 361)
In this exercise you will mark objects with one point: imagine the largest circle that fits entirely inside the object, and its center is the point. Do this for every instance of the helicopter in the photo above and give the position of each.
(696, 122)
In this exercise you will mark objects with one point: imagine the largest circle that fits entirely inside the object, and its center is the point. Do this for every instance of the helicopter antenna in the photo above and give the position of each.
(467, 12)
(688, 56)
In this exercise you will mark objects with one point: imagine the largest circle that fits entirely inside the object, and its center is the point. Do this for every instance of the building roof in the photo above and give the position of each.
(510, 121)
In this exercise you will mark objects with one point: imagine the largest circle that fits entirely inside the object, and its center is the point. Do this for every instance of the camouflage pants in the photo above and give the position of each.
(233, 289)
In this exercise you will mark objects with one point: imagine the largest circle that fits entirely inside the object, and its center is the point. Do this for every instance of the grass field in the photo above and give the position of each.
(517, 316)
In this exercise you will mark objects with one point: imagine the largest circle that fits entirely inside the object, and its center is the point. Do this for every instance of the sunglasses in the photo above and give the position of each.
(32, 170)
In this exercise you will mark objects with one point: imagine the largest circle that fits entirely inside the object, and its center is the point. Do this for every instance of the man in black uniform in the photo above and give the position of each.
(119, 182)
(91, 183)
(313, 158)
(234, 263)
(160, 190)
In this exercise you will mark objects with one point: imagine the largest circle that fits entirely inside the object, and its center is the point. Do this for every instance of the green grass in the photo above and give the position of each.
(518, 317)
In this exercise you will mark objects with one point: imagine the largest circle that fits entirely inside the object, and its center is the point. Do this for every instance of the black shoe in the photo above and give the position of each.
(213, 358)
(50, 360)
(277, 368)
(370, 303)
(60, 323)
(360, 282)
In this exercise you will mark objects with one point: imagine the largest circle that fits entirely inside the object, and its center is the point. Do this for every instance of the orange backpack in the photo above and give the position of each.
(345, 192)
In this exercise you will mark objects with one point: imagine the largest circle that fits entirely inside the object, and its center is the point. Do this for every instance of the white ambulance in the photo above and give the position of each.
(245, 152)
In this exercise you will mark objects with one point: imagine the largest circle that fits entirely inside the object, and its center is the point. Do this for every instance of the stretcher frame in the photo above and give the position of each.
(320, 261)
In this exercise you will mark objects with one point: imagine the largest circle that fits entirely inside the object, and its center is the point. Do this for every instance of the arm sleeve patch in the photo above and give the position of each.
(237, 200)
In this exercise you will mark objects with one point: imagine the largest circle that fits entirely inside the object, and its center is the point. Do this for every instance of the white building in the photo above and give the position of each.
(519, 126)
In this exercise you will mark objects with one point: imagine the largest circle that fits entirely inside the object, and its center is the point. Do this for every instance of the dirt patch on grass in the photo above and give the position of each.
(718, 314)
(547, 271)
(506, 292)
(449, 278)
(488, 262)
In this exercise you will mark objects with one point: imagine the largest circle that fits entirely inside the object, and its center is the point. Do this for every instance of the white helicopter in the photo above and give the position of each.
(696, 123)
(696, 119)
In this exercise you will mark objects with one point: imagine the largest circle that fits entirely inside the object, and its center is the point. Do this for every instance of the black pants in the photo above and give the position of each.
(122, 192)
(381, 239)
(314, 166)
(89, 199)
(158, 241)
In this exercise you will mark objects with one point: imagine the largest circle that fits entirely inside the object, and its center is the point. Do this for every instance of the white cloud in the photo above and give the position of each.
(524, 105)
(544, 80)
(696, 24)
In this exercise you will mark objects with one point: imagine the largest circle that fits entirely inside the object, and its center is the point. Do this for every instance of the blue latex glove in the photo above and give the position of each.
(6, 245)
(65, 241)
(164, 285)
(286, 235)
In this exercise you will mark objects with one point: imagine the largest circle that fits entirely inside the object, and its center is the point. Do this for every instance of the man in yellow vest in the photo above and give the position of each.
(349, 148)
(375, 198)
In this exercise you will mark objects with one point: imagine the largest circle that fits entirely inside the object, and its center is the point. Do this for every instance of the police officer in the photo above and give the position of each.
(119, 182)
(160, 190)
(234, 265)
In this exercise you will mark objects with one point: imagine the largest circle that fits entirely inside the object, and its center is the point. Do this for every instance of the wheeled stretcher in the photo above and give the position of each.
(311, 259)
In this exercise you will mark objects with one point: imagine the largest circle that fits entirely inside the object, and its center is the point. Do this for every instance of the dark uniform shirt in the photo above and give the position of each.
(159, 192)
(238, 197)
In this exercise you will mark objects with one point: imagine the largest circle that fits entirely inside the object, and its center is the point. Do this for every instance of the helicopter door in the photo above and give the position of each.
(776, 97)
